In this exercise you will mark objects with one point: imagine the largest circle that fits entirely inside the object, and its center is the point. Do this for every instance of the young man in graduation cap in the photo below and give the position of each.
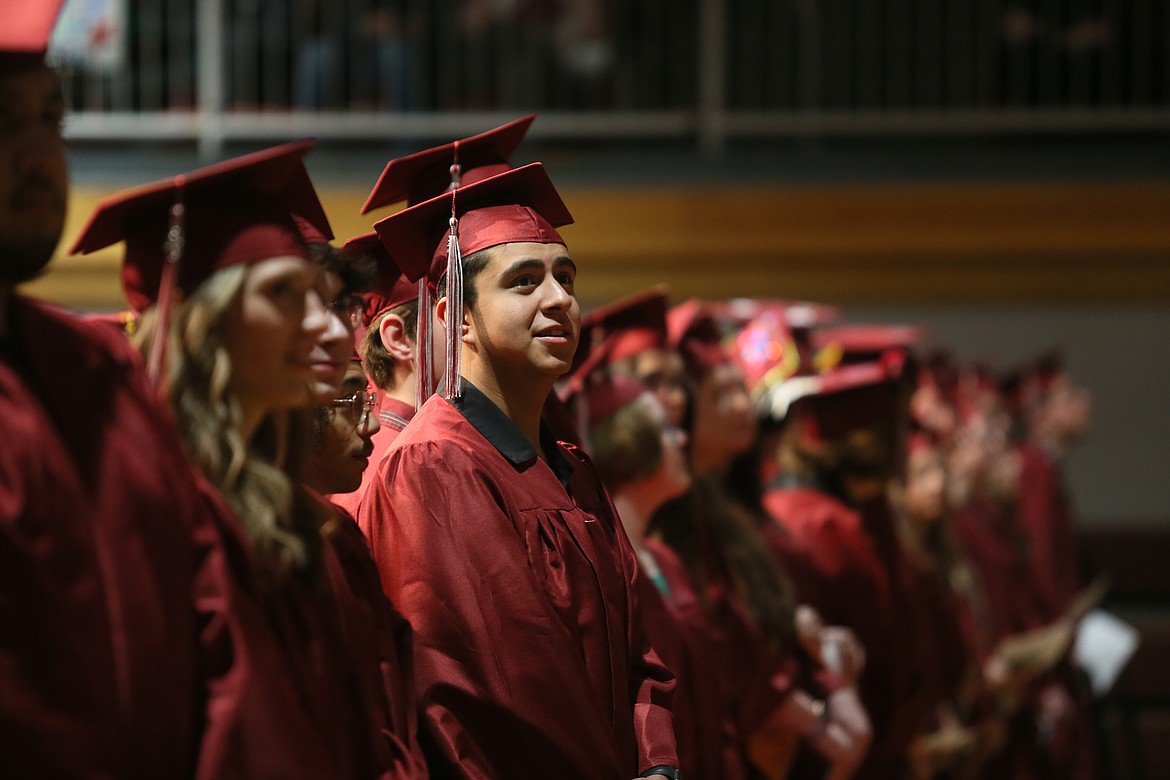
(386, 348)
(388, 344)
(106, 535)
(496, 541)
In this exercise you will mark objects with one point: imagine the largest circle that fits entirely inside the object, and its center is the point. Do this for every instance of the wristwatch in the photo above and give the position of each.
(662, 770)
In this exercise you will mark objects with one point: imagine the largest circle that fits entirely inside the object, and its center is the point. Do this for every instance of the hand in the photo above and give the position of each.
(842, 653)
(1056, 707)
(808, 630)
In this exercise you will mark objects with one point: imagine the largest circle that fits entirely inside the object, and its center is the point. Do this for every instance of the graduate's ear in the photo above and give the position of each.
(394, 334)
(467, 328)
(466, 333)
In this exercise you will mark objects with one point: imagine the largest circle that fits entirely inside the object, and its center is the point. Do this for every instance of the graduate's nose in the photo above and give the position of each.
(557, 297)
(316, 319)
(368, 423)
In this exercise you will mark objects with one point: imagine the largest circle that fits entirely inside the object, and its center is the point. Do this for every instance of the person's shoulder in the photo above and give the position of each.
(77, 340)
(438, 437)
(815, 519)
(824, 509)
(1033, 459)
(664, 555)
(803, 505)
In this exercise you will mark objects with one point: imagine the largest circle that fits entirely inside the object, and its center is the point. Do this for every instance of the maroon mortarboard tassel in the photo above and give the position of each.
(170, 276)
(452, 381)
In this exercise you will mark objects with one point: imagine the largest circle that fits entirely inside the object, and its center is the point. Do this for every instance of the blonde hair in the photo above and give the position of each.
(248, 475)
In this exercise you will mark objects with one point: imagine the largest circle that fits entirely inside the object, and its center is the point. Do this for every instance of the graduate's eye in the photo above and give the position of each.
(527, 280)
(280, 289)
(286, 292)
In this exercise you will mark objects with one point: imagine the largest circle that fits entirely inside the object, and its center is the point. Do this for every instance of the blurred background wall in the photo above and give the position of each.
(996, 171)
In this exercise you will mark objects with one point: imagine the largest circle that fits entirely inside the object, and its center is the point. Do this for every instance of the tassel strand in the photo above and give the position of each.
(452, 380)
(170, 275)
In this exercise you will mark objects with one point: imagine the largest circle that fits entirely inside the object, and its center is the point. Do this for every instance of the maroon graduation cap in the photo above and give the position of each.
(693, 330)
(851, 397)
(631, 324)
(393, 285)
(181, 230)
(610, 333)
(861, 343)
(423, 175)
(839, 397)
(619, 330)
(25, 29)
(237, 211)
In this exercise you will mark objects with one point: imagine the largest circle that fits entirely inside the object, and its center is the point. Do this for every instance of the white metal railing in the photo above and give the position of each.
(213, 71)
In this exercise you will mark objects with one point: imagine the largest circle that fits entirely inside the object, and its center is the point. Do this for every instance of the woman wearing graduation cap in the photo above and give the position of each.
(782, 700)
(232, 318)
(832, 528)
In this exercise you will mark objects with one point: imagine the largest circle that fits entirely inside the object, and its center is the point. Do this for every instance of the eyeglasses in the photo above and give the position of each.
(359, 405)
(349, 308)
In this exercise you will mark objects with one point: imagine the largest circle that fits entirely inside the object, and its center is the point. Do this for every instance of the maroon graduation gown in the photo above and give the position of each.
(129, 643)
(711, 669)
(1046, 521)
(393, 416)
(97, 630)
(853, 579)
(377, 646)
(676, 629)
(991, 543)
(271, 713)
(529, 653)
(990, 539)
(922, 648)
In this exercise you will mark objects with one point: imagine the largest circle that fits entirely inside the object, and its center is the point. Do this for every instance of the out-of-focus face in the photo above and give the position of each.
(926, 483)
(662, 371)
(343, 453)
(724, 420)
(673, 477)
(271, 331)
(929, 406)
(970, 452)
(982, 458)
(1066, 413)
(526, 320)
(34, 179)
(334, 346)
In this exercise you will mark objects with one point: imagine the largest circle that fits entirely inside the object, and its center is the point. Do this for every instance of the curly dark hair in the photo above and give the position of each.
(358, 273)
